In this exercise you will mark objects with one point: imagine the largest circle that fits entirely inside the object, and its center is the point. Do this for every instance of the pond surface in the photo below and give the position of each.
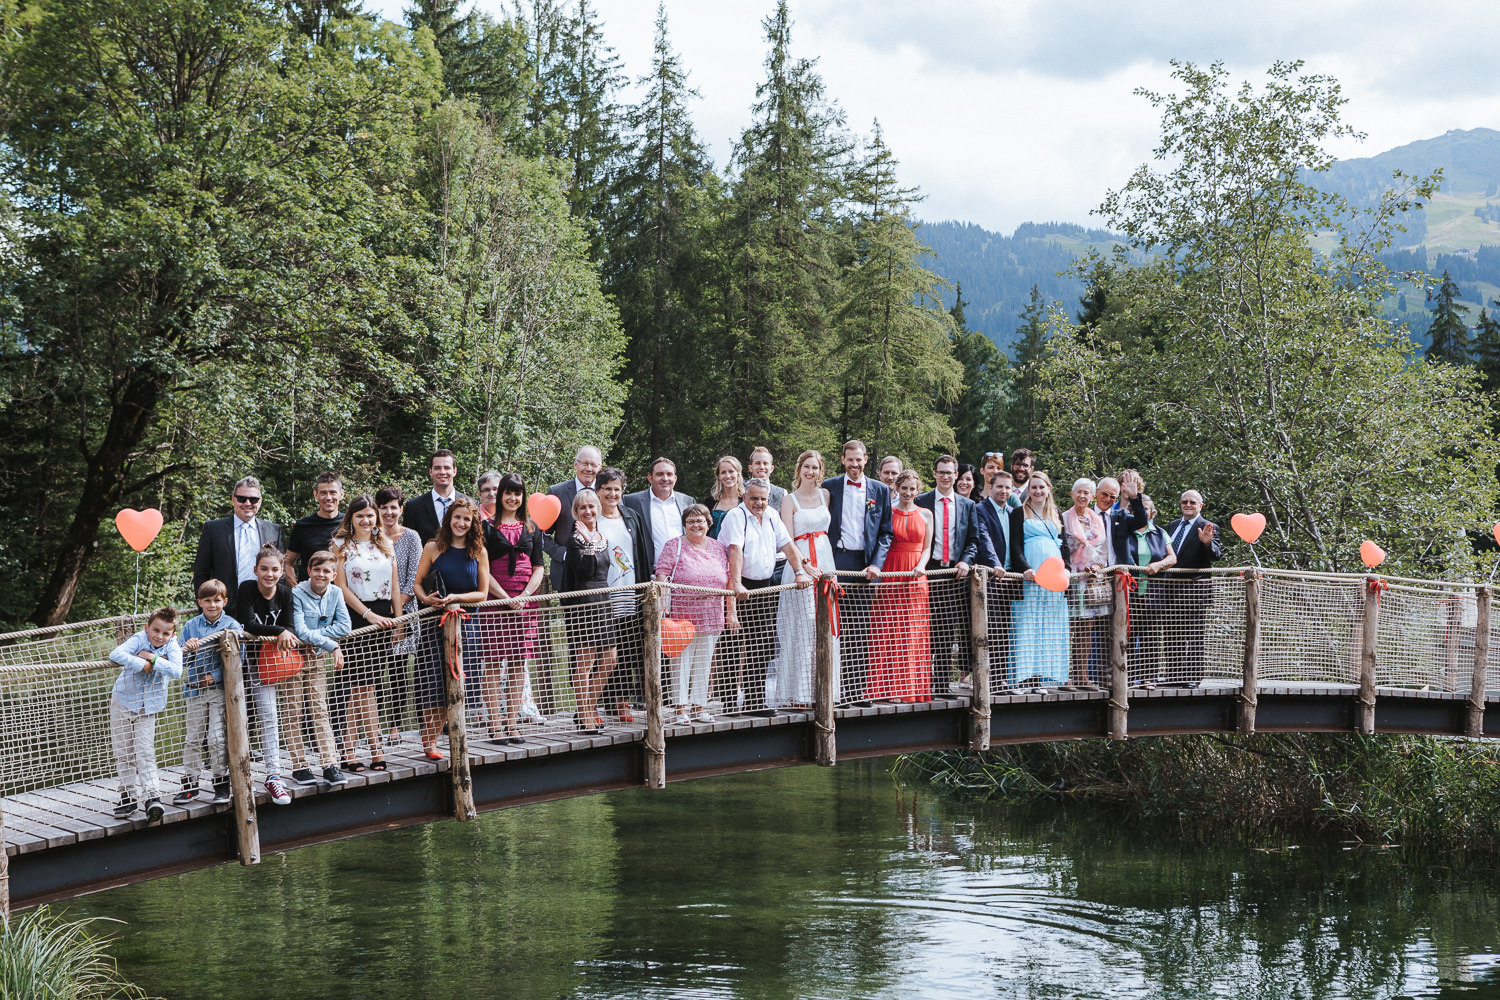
(809, 882)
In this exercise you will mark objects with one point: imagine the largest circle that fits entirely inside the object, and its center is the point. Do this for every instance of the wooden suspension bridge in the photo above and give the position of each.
(63, 840)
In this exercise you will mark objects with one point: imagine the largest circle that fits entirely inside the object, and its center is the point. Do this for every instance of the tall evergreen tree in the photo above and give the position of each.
(484, 60)
(1487, 347)
(977, 413)
(1028, 412)
(783, 250)
(1448, 335)
(659, 270)
(892, 349)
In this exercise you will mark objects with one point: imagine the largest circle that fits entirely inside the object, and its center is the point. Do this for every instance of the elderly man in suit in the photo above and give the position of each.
(955, 545)
(424, 514)
(586, 465)
(859, 528)
(660, 508)
(227, 546)
(1196, 542)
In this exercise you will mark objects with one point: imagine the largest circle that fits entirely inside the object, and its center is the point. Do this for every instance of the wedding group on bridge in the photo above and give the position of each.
(741, 567)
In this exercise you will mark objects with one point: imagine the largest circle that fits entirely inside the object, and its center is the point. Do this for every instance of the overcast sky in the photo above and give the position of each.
(1004, 111)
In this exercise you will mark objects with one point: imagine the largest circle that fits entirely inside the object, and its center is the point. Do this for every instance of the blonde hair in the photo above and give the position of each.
(717, 491)
(809, 453)
(909, 474)
(1049, 506)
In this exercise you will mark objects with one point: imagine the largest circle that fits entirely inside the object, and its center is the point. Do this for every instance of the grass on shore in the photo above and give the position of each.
(44, 957)
(1415, 790)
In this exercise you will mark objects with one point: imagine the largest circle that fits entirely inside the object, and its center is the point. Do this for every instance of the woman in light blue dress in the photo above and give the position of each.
(1039, 629)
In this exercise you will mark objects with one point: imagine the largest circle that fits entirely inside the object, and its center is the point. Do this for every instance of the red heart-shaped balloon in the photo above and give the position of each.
(676, 633)
(543, 508)
(139, 528)
(1248, 527)
(1052, 575)
(1372, 554)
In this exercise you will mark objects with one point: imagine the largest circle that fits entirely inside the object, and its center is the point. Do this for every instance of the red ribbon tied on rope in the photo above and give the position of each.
(1375, 585)
(1125, 583)
(455, 647)
(831, 591)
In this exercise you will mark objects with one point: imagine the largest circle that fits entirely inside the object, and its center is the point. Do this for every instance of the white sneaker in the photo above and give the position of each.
(703, 717)
(682, 720)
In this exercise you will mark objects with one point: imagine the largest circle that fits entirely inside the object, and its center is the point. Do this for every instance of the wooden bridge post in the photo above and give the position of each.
(1250, 686)
(237, 736)
(1367, 656)
(458, 737)
(1119, 660)
(1479, 681)
(655, 745)
(825, 743)
(979, 659)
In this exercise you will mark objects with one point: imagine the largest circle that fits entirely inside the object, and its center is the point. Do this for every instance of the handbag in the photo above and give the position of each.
(275, 664)
(676, 633)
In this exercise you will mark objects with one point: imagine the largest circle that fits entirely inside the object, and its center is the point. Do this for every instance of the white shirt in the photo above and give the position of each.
(666, 520)
(440, 504)
(759, 538)
(246, 546)
(937, 526)
(852, 527)
(621, 561)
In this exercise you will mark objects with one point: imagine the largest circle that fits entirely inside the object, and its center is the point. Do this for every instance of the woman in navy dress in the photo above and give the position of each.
(455, 570)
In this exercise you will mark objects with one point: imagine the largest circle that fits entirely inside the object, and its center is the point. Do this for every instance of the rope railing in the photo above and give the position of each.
(650, 659)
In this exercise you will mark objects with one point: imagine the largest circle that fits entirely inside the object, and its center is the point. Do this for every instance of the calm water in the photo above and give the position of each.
(808, 883)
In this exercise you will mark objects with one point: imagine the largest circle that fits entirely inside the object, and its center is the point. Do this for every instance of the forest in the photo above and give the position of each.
(274, 238)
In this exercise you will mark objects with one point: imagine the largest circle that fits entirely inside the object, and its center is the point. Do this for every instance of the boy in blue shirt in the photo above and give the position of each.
(320, 618)
(149, 661)
(203, 690)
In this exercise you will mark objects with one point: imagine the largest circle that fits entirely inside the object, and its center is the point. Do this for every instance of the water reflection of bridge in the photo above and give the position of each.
(1288, 652)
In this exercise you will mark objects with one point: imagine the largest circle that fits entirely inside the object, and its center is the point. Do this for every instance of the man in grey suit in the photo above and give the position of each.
(586, 466)
(660, 508)
(227, 546)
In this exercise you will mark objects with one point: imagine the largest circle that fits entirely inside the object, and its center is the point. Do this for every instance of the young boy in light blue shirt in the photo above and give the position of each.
(149, 661)
(203, 690)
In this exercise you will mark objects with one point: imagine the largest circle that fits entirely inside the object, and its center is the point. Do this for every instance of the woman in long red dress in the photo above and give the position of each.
(900, 662)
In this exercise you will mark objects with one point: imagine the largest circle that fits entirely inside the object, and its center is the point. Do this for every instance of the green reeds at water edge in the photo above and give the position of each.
(1413, 790)
(43, 957)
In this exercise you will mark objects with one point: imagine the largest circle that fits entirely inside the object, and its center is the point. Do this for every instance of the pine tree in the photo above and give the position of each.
(977, 413)
(484, 60)
(782, 254)
(1032, 347)
(892, 347)
(1487, 347)
(1448, 335)
(658, 268)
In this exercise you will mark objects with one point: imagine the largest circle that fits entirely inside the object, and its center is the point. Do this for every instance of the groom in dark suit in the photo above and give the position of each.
(586, 465)
(1196, 542)
(859, 529)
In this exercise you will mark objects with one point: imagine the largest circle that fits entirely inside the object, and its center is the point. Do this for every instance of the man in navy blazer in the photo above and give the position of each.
(955, 545)
(1196, 542)
(992, 529)
(859, 545)
(424, 513)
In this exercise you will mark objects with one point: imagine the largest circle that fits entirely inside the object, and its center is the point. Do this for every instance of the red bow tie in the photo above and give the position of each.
(857, 484)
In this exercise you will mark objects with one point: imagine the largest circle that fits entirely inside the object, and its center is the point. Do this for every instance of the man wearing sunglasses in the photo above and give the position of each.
(228, 545)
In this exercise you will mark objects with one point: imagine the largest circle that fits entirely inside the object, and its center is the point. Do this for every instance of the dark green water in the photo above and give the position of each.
(808, 883)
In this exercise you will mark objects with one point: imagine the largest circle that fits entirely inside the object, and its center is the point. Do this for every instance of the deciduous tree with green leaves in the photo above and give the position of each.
(1248, 365)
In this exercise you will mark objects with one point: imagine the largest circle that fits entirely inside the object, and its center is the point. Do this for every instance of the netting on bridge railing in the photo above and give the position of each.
(901, 638)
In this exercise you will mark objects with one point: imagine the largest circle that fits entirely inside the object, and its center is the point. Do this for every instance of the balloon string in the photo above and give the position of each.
(137, 584)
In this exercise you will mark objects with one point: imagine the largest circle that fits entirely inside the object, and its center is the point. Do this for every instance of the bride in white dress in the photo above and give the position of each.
(789, 682)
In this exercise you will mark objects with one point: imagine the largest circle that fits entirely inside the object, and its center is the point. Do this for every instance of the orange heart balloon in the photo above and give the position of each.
(1372, 554)
(1497, 533)
(676, 633)
(543, 509)
(1248, 527)
(139, 528)
(1052, 575)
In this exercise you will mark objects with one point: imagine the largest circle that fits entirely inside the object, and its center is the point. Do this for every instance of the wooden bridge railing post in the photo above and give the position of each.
(655, 741)
(1479, 681)
(825, 742)
(1368, 659)
(979, 659)
(237, 737)
(458, 739)
(4, 870)
(1119, 657)
(1250, 686)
